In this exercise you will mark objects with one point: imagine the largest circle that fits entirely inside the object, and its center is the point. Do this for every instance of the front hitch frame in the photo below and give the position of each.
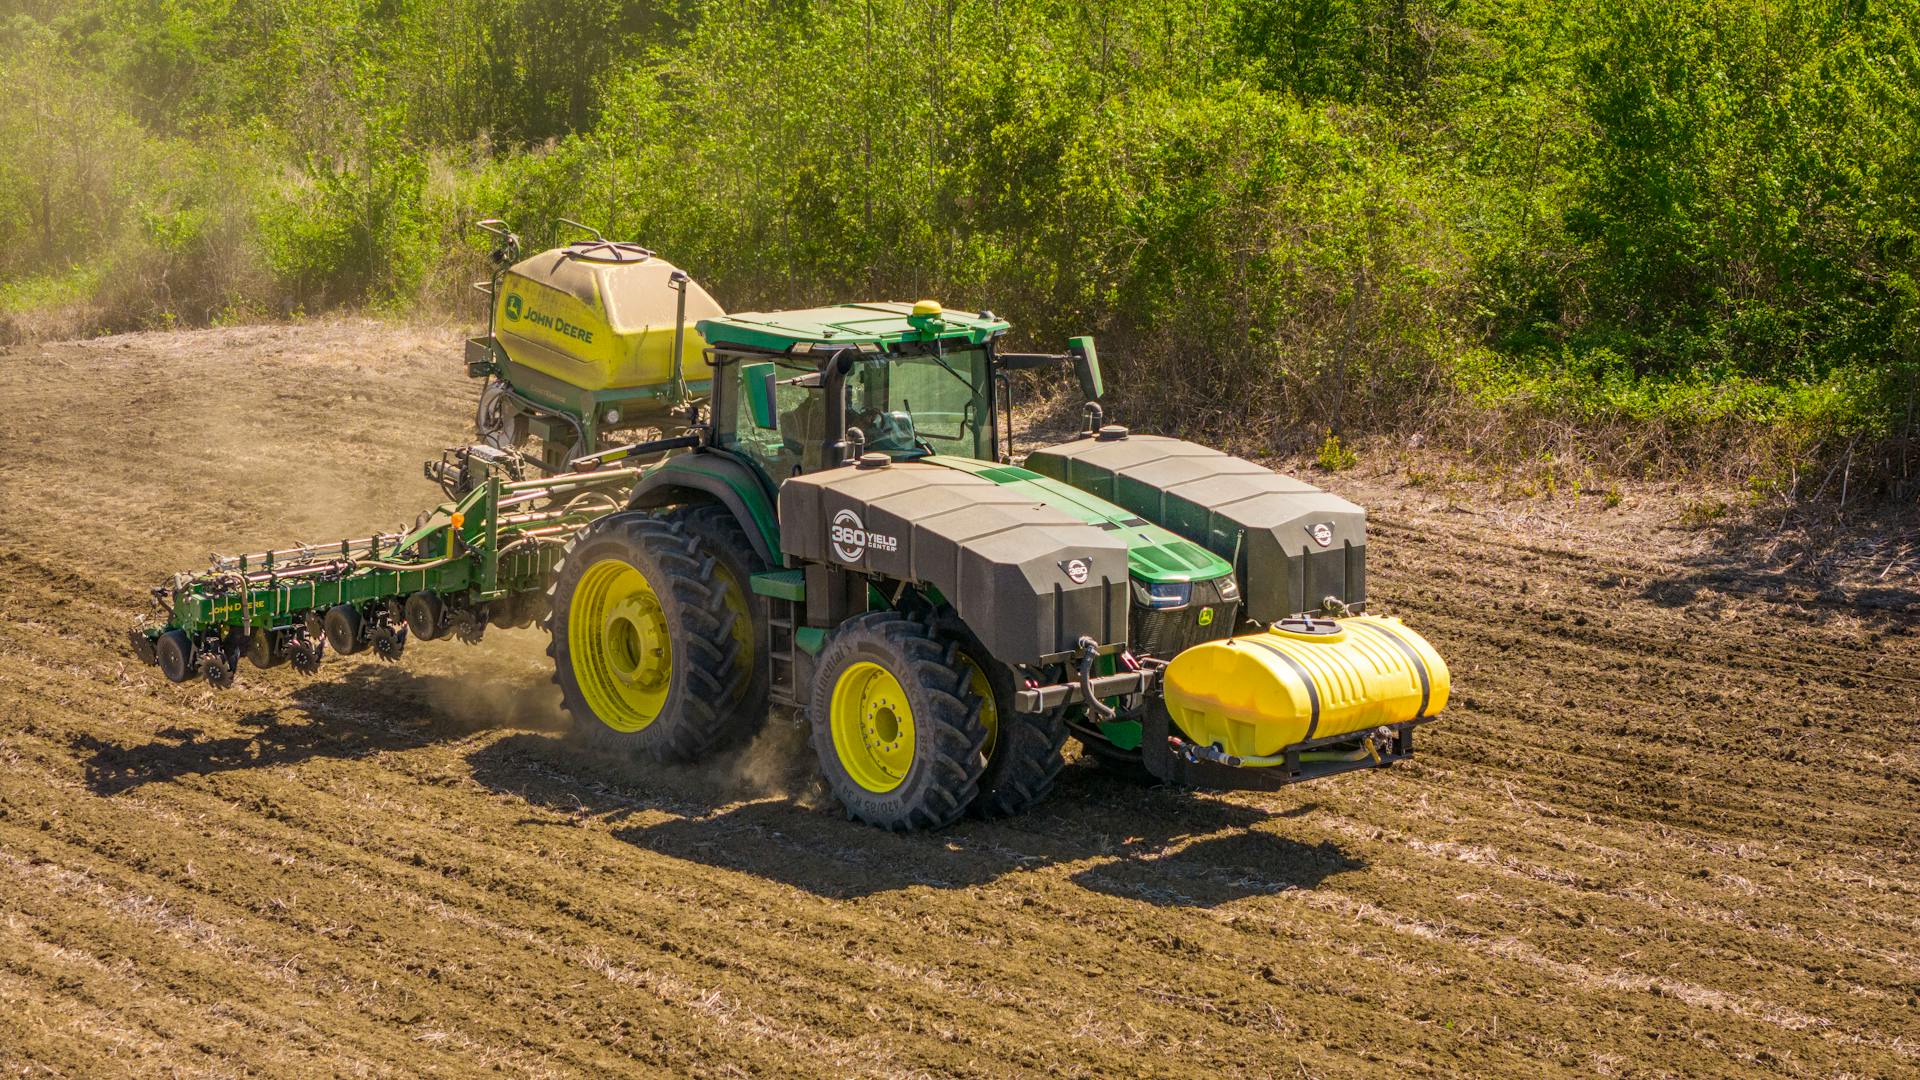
(1168, 756)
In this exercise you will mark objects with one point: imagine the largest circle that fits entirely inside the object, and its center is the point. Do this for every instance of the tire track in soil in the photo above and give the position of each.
(1667, 828)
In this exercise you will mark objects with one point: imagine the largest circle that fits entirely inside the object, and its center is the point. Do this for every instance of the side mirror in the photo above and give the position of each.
(756, 381)
(1086, 365)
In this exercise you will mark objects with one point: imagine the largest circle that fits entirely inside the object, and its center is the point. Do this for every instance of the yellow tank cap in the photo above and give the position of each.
(1256, 695)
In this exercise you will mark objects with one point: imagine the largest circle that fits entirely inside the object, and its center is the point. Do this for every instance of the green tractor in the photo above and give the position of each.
(841, 531)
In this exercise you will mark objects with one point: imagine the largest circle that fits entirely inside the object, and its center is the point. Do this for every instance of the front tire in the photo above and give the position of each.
(1022, 749)
(896, 728)
(642, 641)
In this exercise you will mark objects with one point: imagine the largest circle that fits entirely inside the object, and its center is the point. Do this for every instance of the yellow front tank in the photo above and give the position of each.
(600, 317)
(1256, 695)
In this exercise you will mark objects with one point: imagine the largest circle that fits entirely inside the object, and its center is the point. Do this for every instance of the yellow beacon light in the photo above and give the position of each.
(927, 314)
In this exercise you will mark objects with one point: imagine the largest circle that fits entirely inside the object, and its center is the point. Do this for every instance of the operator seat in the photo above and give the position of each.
(803, 431)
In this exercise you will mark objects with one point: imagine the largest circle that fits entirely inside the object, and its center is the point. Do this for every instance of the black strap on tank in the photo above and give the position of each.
(1419, 664)
(1313, 691)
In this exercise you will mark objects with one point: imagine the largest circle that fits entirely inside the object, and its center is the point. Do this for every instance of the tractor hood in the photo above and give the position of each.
(1293, 544)
(1028, 577)
(1154, 554)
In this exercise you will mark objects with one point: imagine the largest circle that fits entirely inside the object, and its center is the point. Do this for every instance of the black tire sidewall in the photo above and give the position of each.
(1026, 757)
(725, 538)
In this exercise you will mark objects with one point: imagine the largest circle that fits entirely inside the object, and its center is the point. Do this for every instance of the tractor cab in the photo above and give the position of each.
(799, 391)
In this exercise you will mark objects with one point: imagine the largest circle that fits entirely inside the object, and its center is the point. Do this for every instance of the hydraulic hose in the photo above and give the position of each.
(1094, 705)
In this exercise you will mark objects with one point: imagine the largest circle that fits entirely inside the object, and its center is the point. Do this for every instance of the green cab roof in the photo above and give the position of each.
(881, 325)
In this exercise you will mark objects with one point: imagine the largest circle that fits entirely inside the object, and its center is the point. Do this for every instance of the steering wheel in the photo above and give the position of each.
(891, 431)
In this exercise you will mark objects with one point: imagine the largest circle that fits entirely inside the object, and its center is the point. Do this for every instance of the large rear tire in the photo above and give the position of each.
(896, 728)
(715, 526)
(642, 641)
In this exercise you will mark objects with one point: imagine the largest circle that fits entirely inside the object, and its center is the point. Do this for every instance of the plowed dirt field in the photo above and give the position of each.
(1669, 826)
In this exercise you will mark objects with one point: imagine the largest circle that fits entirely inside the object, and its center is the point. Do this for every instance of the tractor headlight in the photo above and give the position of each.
(1229, 588)
(1161, 595)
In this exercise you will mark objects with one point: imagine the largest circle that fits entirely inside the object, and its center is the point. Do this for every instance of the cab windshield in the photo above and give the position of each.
(906, 406)
(936, 402)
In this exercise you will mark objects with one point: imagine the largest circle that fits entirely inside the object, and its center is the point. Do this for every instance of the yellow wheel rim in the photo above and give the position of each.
(872, 726)
(982, 688)
(618, 643)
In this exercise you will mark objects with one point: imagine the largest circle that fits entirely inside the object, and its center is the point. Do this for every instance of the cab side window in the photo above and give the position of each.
(794, 444)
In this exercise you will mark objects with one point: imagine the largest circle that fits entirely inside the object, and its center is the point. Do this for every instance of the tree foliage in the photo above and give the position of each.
(1286, 216)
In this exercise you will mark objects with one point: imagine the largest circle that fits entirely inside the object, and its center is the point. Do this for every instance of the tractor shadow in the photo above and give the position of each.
(348, 712)
(1215, 870)
(761, 811)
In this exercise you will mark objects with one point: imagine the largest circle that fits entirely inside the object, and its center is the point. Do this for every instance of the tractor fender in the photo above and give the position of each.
(709, 474)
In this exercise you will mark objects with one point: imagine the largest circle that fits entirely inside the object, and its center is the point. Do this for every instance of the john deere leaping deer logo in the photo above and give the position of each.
(513, 307)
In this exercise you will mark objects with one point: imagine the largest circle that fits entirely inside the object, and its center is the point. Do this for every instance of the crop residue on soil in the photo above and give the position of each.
(1668, 826)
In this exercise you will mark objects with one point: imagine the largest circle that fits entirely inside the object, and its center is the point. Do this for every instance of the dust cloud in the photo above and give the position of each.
(503, 682)
(777, 763)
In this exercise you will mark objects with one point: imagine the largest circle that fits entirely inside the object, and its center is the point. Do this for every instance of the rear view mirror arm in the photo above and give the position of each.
(1028, 361)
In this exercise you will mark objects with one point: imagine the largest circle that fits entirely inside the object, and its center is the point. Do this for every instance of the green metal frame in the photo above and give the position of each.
(486, 556)
(881, 325)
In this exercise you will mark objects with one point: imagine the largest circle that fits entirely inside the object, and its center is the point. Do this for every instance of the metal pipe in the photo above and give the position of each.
(833, 383)
(538, 515)
(573, 505)
(570, 481)
(677, 281)
(376, 564)
(534, 496)
(529, 540)
(309, 570)
(591, 462)
(303, 552)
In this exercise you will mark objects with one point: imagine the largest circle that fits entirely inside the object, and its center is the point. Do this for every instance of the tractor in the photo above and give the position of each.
(839, 531)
